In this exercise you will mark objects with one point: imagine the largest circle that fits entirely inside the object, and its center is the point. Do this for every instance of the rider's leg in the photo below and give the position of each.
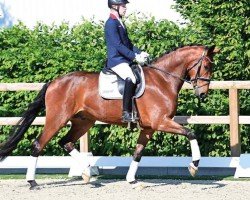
(125, 72)
(128, 93)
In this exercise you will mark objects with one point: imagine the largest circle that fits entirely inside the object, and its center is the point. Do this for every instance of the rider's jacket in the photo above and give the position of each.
(119, 47)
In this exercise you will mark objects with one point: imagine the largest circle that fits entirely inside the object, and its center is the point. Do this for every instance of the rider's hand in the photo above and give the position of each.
(145, 54)
(141, 58)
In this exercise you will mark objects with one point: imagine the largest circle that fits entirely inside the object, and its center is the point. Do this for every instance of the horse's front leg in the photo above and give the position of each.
(168, 125)
(144, 137)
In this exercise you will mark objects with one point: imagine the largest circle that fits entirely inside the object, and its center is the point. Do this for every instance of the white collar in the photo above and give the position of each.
(119, 19)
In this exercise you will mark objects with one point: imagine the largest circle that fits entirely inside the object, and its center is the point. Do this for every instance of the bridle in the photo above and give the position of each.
(197, 76)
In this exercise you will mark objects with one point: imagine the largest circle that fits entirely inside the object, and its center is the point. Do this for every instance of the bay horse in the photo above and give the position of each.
(74, 97)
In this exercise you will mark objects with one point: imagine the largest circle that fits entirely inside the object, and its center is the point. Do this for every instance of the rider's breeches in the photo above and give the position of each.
(124, 71)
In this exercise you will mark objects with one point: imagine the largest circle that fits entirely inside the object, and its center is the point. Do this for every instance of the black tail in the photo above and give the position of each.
(22, 126)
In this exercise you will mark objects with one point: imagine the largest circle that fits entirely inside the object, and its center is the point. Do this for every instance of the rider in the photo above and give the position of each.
(121, 53)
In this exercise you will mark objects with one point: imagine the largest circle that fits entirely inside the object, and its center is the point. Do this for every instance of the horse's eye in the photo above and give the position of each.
(207, 67)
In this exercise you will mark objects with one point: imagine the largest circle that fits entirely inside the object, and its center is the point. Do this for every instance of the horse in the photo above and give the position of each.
(74, 97)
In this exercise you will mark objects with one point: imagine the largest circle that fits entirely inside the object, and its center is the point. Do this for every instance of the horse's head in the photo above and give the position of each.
(199, 70)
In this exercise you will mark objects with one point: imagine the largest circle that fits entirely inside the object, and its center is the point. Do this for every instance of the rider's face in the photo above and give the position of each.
(123, 9)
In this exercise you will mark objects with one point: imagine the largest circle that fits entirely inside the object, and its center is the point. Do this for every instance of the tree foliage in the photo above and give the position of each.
(226, 24)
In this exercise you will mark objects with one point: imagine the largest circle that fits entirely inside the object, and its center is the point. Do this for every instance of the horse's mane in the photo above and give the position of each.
(175, 49)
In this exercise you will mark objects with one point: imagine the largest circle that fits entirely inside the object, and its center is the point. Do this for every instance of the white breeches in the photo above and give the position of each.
(124, 71)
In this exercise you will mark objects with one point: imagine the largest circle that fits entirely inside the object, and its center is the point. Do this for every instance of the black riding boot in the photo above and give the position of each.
(129, 91)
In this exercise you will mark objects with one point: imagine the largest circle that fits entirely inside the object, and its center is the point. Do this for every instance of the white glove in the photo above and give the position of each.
(141, 58)
(145, 54)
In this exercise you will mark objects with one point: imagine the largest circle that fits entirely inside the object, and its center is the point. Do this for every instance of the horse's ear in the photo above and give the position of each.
(213, 50)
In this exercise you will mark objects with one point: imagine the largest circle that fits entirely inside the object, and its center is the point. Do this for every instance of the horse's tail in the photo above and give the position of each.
(24, 123)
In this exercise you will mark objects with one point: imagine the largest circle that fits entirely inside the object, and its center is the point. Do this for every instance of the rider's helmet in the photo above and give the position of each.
(116, 2)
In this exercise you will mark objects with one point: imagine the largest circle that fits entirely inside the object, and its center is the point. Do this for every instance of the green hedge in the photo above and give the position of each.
(46, 52)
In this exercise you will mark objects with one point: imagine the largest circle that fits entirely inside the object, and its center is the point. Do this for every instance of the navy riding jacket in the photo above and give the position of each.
(120, 49)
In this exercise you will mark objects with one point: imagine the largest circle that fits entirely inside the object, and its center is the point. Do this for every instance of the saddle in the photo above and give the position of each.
(111, 85)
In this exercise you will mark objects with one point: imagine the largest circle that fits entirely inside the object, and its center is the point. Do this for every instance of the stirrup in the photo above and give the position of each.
(127, 117)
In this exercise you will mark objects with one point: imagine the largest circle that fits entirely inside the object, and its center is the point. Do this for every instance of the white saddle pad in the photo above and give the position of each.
(108, 86)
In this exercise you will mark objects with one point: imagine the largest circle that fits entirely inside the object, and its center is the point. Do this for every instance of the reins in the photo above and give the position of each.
(197, 76)
(168, 73)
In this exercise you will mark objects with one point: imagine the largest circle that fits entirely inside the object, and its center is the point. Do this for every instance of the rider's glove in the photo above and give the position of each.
(145, 54)
(142, 58)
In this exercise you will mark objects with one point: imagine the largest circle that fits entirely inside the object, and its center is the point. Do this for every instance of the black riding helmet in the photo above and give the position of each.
(116, 2)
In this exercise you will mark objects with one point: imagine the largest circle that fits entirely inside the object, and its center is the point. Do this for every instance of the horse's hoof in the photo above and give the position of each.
(86, 175)
(137, 185)
(33, 185)
(86, 178)
(192, 169)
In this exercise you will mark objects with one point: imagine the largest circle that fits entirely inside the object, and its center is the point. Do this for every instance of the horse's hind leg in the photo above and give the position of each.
(54, 122)
(79, 127)
(144, 137)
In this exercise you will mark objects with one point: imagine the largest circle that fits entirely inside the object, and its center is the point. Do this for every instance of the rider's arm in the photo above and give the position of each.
(136, 50)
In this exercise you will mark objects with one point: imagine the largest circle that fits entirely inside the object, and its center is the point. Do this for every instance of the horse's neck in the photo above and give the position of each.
(174, 65)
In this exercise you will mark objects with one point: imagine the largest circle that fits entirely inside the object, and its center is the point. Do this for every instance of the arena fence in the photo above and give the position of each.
(233, 118)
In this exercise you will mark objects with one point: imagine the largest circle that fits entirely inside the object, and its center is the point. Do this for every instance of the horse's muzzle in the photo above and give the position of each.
(199, 94)
(202, 96)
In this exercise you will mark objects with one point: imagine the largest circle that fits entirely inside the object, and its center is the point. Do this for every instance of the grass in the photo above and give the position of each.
(38, 176)
(65, 176)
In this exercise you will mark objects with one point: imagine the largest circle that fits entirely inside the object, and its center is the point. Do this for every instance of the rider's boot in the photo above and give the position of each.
(129, 91)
